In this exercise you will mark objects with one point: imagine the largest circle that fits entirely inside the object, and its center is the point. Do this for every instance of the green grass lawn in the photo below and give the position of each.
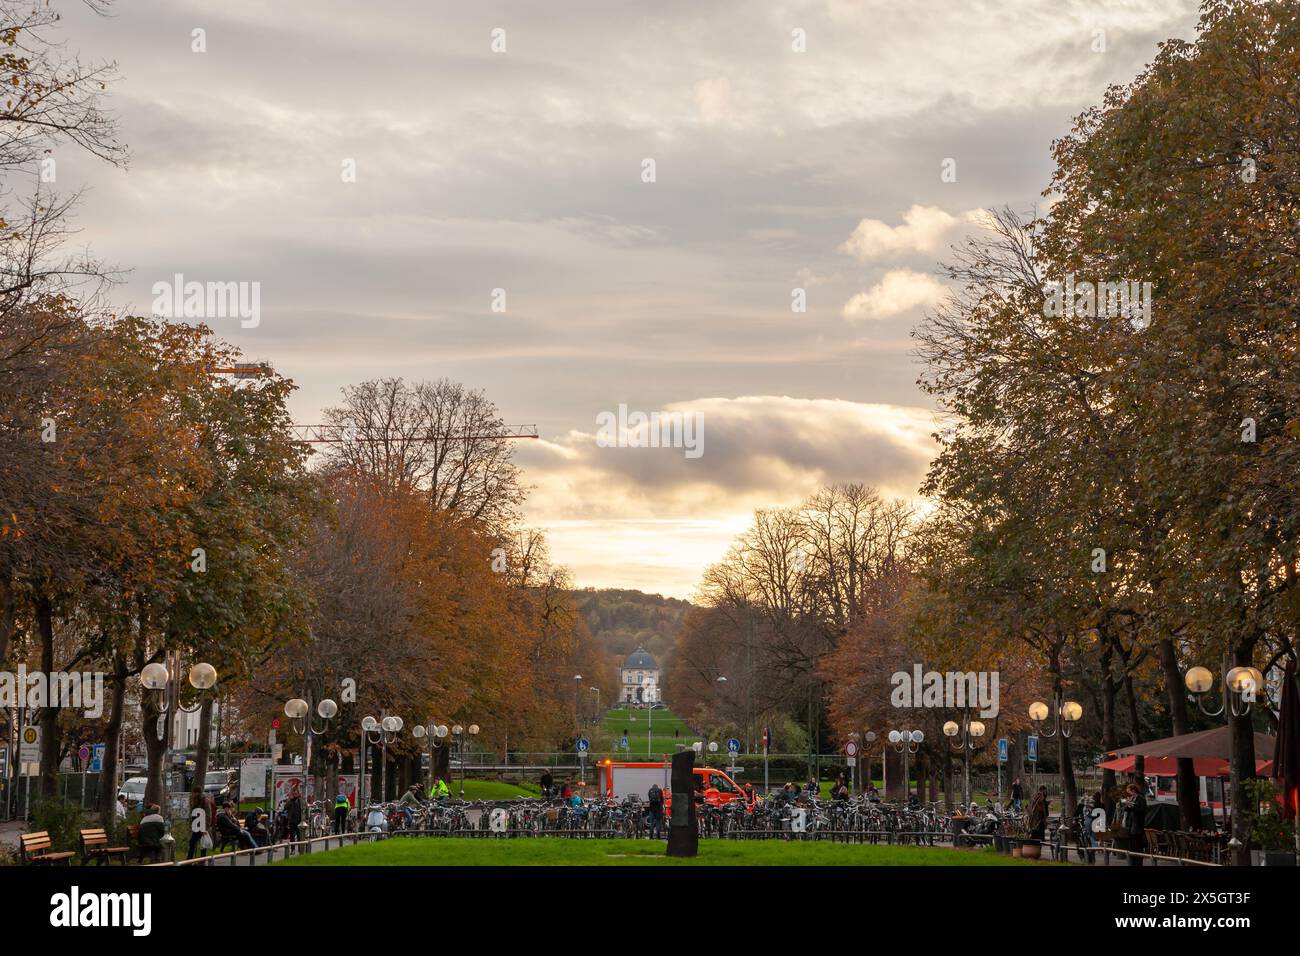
(494, 790)
(554, 851)
(636, 723)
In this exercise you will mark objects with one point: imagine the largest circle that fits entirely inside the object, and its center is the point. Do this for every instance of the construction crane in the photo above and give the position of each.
(336, 434)
(243, 370)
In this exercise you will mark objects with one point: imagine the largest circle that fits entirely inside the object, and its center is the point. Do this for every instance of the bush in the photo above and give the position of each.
(1268, 830)
(62, 819)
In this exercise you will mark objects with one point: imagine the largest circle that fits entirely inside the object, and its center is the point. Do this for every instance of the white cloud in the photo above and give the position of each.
(618, 515)
(924, 229)
(899, 291)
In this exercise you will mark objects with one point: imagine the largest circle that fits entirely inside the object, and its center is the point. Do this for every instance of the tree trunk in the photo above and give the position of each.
(203, 746)
(8, 613)
(1189, 791)
(155, 743)
(112, 738)
(1242, 766)
(49, 718)
(1109, 734)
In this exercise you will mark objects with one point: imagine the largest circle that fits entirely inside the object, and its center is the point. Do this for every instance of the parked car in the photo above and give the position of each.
(219, 785)
(133, 789)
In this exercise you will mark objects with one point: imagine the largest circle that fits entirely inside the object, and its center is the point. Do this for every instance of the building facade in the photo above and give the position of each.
(639, 670)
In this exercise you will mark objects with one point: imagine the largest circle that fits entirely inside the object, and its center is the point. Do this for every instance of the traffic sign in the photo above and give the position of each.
(583, 745)
(30, 750)
(851, 749)
(83, 753)
(97, 758)
(1002, 750)
(1031, 748)
(733, 745)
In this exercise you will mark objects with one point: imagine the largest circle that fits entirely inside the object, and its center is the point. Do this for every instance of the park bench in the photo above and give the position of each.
(94, 846)
(36, 849)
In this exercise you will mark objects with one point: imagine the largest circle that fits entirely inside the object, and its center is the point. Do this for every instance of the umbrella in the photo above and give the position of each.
(1286, 756)
(1168, 766)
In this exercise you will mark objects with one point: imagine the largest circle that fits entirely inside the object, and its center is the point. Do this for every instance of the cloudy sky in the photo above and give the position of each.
(775, 168)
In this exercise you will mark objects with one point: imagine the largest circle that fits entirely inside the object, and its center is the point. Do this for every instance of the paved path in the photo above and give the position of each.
(10, 831)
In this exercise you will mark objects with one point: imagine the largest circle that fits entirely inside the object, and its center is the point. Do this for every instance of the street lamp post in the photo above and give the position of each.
(907, 742)
(387, 728)
(437, 734)
(460, 733)
(577, 707)
(299, 712)
(969, 731)
(1240, 687)
(648, 695)
(160, 679)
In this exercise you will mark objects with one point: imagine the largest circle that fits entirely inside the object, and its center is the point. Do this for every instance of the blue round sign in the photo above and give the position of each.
(733, 745)
(583, 745)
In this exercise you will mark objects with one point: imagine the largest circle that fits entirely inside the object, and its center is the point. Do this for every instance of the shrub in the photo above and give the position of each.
(63, 819)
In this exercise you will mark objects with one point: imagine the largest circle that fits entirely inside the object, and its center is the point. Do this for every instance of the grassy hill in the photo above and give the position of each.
(638, 723)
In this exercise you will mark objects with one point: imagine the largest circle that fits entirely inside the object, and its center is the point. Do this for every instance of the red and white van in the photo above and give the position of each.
(616, 780)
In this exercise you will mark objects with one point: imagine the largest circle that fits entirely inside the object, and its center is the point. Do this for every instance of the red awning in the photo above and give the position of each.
(1168, 766)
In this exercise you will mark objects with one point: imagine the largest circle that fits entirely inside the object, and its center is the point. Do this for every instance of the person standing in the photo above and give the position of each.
(1038, 808)
(655, 798)
(1135, 823)
(203, 817)
(293, 811)
(1017, 794)
(342, 807)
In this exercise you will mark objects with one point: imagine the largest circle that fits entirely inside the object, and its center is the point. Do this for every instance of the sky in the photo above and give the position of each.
(386, 171)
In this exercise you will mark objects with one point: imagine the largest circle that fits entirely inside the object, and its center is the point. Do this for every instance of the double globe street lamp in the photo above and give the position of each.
(463, 735)
(383, 730)
(906, 742)
(158, 679)
(299, 712)
(1068, 713)
(1241, 684)
(437, 734)
(969, 732)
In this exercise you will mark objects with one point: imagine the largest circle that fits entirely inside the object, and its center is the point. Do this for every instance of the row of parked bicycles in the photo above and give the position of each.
(854, 820)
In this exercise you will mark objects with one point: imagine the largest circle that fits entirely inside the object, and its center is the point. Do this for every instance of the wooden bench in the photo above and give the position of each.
(36, 849)
(94, 846)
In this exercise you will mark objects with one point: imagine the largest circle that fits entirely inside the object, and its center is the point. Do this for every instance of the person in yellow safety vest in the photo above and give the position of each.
(342, 807)
(440, 790)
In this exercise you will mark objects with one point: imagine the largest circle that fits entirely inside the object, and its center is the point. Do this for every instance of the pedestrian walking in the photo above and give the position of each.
(342, 807)
(294, 812)
(655, 797)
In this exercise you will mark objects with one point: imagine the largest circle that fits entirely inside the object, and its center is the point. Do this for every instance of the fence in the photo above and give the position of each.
(280, 851)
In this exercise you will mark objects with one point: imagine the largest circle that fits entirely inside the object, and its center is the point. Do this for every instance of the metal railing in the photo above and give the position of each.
(280, 851)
